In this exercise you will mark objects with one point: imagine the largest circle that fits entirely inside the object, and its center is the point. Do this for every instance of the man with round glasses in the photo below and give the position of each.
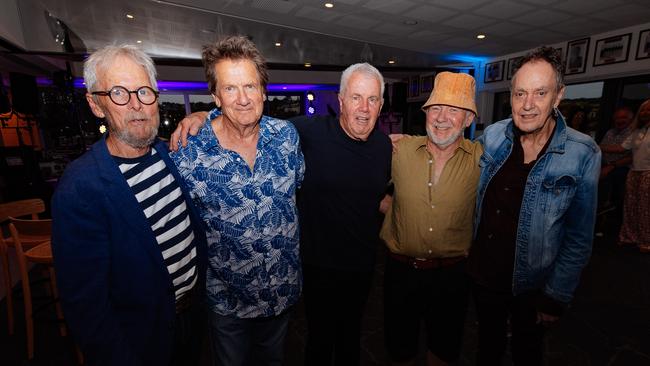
(129, 248)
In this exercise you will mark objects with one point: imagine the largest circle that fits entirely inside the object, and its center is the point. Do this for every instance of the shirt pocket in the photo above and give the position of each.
(558, 193)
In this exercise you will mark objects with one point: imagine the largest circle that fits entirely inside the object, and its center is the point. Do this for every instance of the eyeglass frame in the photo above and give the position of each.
(107, 93)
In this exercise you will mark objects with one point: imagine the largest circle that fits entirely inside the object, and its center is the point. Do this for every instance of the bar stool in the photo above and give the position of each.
(40, 254)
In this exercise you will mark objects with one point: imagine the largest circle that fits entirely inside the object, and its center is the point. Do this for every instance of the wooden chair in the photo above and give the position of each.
(31, 208)
(30, 230)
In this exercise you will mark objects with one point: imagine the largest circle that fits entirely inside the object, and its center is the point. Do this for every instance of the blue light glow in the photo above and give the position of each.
(466, 58)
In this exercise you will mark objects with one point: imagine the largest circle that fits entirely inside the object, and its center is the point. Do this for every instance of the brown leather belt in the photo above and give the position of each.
(429, 263)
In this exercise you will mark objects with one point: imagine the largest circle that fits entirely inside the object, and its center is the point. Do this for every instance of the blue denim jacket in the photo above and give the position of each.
(558, 210)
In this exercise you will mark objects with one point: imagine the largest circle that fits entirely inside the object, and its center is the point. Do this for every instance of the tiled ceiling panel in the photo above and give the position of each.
(469, 21)
(416, 32)
(321, 15)
(354, 21)
(504, 9)
(460, 4)
(389, 6)
(278, 6)
(393, 29)
(430, 13)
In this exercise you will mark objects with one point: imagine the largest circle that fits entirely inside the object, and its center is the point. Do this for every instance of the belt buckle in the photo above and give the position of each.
(415, 262)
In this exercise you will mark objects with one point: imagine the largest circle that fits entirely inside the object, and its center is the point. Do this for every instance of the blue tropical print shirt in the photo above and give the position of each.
(251, 218)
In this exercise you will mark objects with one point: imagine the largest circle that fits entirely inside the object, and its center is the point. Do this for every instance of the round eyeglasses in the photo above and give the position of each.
(122, 96)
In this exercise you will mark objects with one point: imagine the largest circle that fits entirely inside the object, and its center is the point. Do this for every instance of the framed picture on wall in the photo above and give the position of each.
(643, 49)
(494, 71)
(612, 50)
(426, 84)
(414, 86)
(511, 66)
(576, 56)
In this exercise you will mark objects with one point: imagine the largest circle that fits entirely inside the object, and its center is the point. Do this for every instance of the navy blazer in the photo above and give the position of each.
(117, 295)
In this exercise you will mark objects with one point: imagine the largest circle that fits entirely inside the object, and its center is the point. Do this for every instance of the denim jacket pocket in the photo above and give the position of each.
(558, 193)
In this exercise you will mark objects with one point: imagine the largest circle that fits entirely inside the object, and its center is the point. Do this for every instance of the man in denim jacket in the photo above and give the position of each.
(535, 214)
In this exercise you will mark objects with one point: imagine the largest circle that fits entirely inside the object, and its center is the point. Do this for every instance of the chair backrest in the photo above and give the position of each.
(31, 207)
(30, 228)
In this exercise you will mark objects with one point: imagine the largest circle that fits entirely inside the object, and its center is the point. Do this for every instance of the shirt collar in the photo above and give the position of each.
(558, 136)
(465, 145)
(207, 137)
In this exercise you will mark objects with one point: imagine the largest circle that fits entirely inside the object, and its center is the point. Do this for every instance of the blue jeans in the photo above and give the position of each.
(255, 341)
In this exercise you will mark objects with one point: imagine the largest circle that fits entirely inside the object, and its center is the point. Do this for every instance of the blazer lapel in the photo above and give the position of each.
(119, 192)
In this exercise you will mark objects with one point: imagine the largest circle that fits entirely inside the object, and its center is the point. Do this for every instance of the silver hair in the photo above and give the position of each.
(105, 56)
(364, 68)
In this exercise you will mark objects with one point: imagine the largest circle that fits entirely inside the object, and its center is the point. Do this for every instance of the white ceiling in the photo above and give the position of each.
(353, 30)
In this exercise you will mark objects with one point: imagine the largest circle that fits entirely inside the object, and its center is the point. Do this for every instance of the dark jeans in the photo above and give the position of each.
(190, 328)
(334, 303)
(255, 341)
(437, 297)
(611, 189)
(493, 309)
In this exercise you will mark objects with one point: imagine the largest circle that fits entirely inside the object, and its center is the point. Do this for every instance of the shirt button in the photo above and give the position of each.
(430, 229)
(429, 184)
(430, 161)
(433, 206)
(238, 159)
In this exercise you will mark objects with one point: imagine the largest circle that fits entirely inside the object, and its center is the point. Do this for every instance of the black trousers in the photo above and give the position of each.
(190, 328)
(334, 304)
(494, 308)
(435, 297)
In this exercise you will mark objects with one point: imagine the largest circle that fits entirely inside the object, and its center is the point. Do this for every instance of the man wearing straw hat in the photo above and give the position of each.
(428, 228)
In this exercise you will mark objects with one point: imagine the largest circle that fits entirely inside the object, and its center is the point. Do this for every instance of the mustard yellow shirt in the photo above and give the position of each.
(428, 220)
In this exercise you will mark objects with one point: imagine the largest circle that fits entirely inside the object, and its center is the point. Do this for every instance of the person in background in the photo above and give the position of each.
(636, 213)
(242, 170)
(129, 249)
(615, 166)
(535, 214)
(348, 170)
(428, 227)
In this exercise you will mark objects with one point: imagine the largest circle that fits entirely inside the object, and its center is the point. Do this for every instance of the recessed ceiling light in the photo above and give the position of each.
(138, 41)
(481, 36)
(278, 44)
(410, 22)
(307, 64)
(130, 16)
(391, 61)
(329, 5)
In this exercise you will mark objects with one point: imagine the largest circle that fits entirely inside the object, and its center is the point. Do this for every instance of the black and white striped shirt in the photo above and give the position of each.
(164, 206)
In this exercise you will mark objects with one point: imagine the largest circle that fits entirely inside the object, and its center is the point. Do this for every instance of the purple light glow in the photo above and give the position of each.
(167, 85)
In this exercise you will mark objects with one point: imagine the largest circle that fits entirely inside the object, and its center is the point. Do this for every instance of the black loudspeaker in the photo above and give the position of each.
(24, 93)
(5, 107)
(399, 97)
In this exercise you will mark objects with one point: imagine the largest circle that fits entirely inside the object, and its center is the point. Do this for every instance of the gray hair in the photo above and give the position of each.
(105, 56)
(364, 68)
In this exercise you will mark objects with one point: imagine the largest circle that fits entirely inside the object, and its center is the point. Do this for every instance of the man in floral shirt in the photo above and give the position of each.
(242, 170)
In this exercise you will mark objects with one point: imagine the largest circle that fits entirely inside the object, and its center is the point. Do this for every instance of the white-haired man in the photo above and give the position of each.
(129, 249)
(428, 228)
